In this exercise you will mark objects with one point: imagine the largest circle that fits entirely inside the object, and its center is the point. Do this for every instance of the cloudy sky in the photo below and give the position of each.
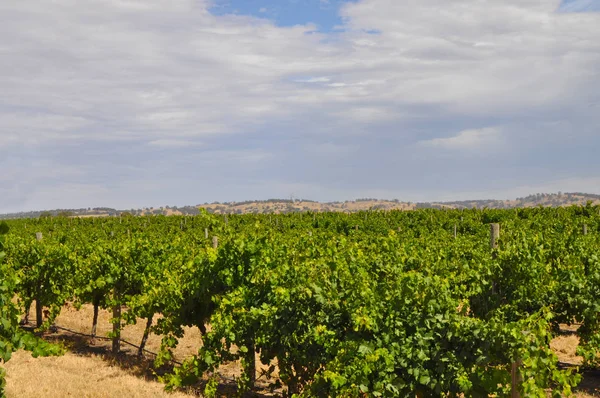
(131, 103)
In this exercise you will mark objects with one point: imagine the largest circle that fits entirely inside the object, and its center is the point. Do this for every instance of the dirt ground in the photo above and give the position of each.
(88, 369)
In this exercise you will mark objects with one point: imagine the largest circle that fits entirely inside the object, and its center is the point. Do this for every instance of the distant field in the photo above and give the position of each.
(276, 206)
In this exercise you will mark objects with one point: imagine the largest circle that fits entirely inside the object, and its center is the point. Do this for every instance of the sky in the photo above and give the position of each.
(138, 103)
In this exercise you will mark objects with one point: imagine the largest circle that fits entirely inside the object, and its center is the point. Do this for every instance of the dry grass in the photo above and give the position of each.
(90, 370)
(564, 347)
(77, 376)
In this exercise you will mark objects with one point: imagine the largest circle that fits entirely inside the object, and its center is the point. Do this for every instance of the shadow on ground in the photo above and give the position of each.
(590, 383)
(143, 367)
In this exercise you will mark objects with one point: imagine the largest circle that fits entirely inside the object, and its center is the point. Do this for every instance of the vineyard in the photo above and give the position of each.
(371, 304)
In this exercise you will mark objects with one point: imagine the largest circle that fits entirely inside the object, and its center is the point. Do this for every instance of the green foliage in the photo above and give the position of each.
(377, 304)
(11, 337)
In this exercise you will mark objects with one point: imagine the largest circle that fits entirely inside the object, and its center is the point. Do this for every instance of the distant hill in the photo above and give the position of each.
(288, 205)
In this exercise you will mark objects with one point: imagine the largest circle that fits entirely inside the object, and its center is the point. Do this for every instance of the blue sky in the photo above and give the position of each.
(580, 6)
(135, 103)
(324, 14)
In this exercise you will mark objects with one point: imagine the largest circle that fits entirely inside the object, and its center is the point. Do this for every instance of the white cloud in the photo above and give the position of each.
(475, 139)
(313, 80)
(166, 143)
(243, 157)
(83, 80)
(532, 56)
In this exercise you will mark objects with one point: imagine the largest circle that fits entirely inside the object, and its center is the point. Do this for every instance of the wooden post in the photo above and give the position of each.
(514, 373)
(145, 336)
(116, 340)
(27, 311)
(215, 242)
(39, 313)
(585, 229)
(494, 235)
(39, 308)
(95, 321)
(205, 233)
(251, 358)
(515, 380)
